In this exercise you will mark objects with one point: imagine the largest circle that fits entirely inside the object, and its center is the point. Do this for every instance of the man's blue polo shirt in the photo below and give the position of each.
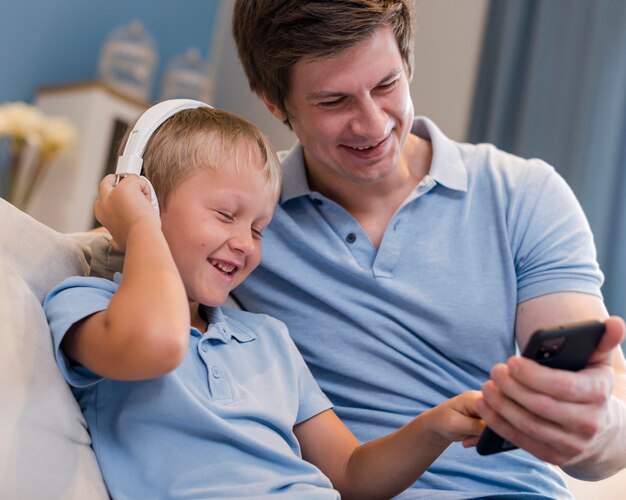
(218, 426)
(393, 331)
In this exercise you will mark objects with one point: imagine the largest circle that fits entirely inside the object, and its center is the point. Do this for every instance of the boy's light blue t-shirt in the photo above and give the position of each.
(219, 426)
(393, 331)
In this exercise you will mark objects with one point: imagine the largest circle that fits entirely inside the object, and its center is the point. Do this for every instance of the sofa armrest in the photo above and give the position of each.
(45, 448)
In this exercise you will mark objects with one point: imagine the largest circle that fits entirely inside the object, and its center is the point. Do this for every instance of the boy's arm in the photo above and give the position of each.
(573, 419)
(145, 329)
(384, 467)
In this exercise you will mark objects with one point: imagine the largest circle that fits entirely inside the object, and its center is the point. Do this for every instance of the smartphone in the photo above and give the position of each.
(566, 347)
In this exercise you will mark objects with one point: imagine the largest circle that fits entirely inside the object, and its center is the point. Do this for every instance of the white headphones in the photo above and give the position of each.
(132, 159)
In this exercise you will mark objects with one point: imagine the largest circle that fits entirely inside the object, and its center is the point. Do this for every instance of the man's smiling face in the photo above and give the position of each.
(352, 112)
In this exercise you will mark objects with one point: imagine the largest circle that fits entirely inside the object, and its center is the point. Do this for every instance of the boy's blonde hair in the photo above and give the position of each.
(204, 137)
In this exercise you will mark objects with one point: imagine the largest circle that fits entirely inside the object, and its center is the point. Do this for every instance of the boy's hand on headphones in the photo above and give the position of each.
(119, 207)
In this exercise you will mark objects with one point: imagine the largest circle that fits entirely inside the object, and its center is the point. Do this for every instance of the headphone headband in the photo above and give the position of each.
(132, 159)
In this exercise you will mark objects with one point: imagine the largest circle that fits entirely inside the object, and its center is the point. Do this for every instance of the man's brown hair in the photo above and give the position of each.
(273, 35)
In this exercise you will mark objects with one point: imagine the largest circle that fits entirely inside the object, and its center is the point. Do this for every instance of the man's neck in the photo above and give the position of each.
(373, 205)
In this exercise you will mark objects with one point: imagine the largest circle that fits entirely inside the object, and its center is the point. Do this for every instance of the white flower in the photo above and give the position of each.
(25, 123)
(26, 126)
(21, 121)
(56, 133)
(3, 125)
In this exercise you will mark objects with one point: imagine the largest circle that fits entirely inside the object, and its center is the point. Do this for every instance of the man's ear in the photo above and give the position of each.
(275, 110)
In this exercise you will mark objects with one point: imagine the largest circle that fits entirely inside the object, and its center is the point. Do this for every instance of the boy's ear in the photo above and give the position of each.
(275, 110)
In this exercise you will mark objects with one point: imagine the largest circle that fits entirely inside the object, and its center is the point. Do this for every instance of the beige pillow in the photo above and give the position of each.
(45, 448)
(105, 260)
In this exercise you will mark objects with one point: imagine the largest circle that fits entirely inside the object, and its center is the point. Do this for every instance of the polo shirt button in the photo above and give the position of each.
(204, 347)
(351, 238)
(215, 371)
(318, 202)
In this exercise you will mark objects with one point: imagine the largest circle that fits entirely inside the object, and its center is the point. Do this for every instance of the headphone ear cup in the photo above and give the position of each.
(153, 197)
(131, 160)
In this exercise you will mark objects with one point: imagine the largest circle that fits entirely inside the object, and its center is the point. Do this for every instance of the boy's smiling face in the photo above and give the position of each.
(213, 223)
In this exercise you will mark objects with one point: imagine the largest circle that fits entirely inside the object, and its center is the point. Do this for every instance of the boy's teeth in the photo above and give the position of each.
(227, 268)
(362, 148)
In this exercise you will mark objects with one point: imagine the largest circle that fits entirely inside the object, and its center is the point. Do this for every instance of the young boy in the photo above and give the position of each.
(184, 399)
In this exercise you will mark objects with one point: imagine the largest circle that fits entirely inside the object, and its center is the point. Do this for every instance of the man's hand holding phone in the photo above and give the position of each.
(552, 413)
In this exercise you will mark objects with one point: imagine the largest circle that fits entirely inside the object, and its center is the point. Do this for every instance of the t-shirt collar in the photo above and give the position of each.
(295, 183)
(223, 328)
(447, 167)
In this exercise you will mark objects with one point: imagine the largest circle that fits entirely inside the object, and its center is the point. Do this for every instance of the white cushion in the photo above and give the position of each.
(45, 448)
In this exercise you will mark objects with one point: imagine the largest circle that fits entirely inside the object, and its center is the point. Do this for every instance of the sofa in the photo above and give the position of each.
(45, 447)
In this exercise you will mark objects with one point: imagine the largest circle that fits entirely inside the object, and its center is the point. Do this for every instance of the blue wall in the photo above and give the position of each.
(45, 42)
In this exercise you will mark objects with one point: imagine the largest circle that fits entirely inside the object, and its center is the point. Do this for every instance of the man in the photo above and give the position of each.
(408, 266)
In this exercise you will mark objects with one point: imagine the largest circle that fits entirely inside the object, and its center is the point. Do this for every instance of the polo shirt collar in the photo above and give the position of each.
(447, 167)
(224, 328)
(295, 183)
